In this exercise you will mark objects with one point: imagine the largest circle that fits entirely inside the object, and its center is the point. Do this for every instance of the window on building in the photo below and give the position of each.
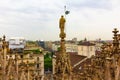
(81, 48)
(30, 56)
(37, 65)
(21, 56)
(37, 58)
(90, 48)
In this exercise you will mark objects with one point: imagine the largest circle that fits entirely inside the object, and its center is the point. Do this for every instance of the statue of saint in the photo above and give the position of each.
(62, 23)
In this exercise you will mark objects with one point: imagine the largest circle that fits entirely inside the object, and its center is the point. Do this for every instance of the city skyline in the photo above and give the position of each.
(39, 19)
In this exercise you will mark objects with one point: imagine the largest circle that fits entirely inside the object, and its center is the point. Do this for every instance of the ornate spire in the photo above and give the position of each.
(63, 67)
(115, 41)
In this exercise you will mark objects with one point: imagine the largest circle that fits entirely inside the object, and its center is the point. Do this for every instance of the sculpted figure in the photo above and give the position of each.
(62, 23)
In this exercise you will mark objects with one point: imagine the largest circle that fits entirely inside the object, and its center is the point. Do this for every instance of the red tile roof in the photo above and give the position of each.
(74, 59)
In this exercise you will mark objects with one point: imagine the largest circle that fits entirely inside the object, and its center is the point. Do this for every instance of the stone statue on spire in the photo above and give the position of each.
(62, 23)
(62, 27)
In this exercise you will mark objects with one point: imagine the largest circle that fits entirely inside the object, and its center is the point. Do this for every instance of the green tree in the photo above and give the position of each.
(48, 61)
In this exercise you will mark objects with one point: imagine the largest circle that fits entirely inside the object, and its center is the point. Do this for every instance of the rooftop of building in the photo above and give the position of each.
(76, 61)
(86, 43)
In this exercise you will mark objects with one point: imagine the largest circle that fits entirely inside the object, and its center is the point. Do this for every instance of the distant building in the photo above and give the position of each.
(55, 47)
(98, 46)
(48, 45)
(86, 48)
(71, 47)
(17, 43)
(39, 60)
(41, 43)
(74, 40)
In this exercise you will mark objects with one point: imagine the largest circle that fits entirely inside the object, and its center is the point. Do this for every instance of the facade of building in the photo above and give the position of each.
(28, 65)
(34, 61)
(71, 47)
(39, 60)
(86, 49)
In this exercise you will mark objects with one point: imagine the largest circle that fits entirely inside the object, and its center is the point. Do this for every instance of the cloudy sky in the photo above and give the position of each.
(39, 19)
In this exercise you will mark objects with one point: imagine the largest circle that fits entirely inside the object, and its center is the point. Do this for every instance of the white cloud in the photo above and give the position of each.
(39, 18)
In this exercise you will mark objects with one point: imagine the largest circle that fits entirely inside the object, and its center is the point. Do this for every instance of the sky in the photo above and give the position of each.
(39, 19)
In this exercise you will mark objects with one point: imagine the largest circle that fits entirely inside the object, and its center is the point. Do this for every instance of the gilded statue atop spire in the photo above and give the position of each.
(62, 26)
(63, 69)
(62, 23)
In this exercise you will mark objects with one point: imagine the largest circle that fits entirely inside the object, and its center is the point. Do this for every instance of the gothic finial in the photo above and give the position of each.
(4, 37)
(115, 41)
(115, 30)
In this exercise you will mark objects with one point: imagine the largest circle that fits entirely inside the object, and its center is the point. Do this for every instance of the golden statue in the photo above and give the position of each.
(62, 23)
(62, 27)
